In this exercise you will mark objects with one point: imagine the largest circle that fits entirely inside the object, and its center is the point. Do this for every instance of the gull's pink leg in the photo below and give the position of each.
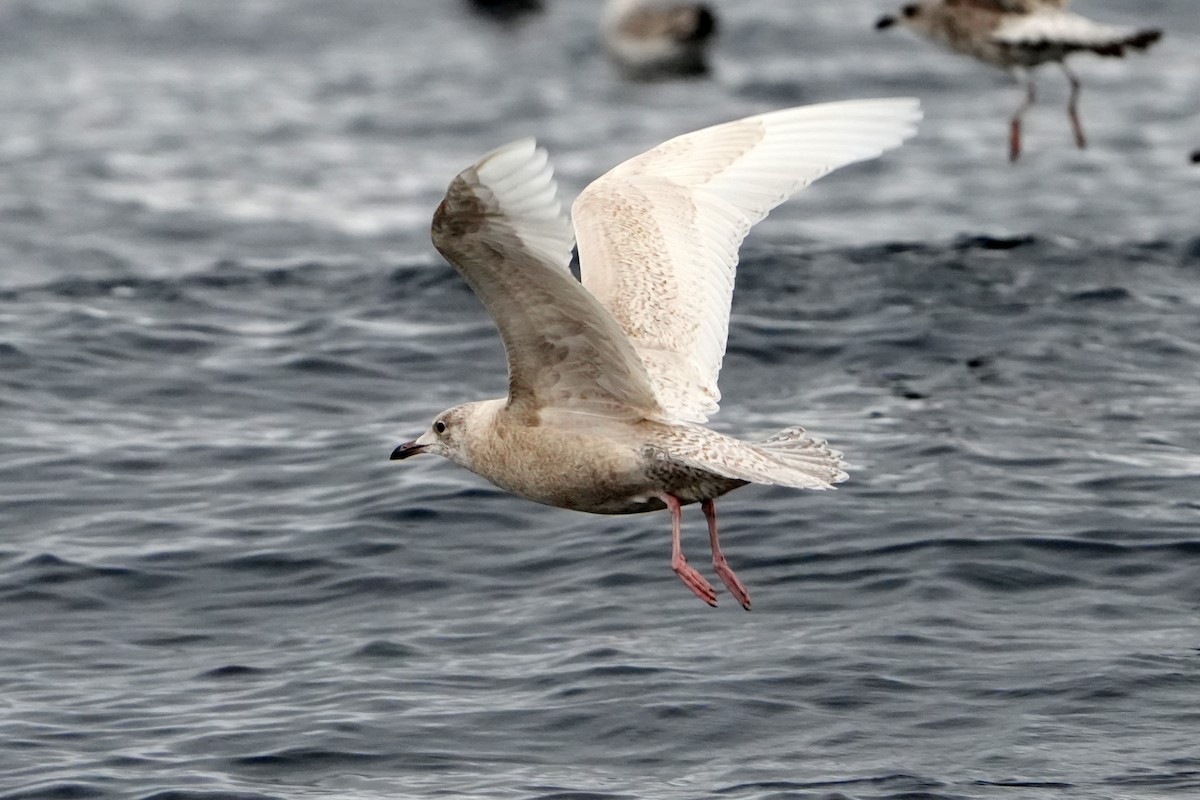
(1014, 133)
(1073, 106)
(690, 577)
(722, 567)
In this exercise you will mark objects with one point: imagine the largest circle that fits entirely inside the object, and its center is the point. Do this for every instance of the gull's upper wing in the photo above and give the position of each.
(502, 228)
(659, 234)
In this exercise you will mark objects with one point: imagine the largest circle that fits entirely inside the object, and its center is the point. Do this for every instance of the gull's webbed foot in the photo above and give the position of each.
(694, 580)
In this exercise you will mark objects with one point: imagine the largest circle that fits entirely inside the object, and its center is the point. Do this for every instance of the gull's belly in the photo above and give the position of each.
(594, 473)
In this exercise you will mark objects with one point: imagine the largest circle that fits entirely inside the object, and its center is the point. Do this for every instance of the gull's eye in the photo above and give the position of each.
(911, 10)
(439, 427)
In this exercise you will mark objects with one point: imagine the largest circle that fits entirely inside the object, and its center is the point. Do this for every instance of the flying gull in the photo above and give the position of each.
(1017, 35)
(610, 380)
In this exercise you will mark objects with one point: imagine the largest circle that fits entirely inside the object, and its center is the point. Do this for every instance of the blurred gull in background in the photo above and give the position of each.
(507, 11)
(658, 38)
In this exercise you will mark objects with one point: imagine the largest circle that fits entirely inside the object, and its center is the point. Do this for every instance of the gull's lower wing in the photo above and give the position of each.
(659, 235)
(502, 228)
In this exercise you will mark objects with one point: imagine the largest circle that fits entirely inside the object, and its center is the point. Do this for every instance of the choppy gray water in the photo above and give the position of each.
(219, 311)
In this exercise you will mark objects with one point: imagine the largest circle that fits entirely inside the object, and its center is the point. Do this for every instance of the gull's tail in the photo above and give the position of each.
(789, 458)
(813, 456)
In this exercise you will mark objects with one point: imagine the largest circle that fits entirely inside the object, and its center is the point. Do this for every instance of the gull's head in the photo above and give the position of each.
(909, 13)
(449, 435)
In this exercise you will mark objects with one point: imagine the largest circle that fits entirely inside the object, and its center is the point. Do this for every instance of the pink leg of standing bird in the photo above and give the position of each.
(724, 571)
(1073, 106)
(1014, 133)
(686, 572)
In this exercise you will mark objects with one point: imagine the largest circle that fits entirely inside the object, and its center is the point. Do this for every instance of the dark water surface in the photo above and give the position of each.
(219, 311)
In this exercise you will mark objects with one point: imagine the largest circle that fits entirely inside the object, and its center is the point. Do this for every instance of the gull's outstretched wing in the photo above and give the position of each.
(502, 228)
(659, 234)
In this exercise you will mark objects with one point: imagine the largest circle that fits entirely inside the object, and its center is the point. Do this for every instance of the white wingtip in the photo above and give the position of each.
(516, 182)
(857, 129)
(519, 176)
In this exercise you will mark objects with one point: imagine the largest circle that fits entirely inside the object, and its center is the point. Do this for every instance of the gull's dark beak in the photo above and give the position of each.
(885, 22)
(407, 449)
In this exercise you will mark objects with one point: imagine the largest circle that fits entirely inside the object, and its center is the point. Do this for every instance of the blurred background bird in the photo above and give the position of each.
(1018, 35)
(652, 39)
